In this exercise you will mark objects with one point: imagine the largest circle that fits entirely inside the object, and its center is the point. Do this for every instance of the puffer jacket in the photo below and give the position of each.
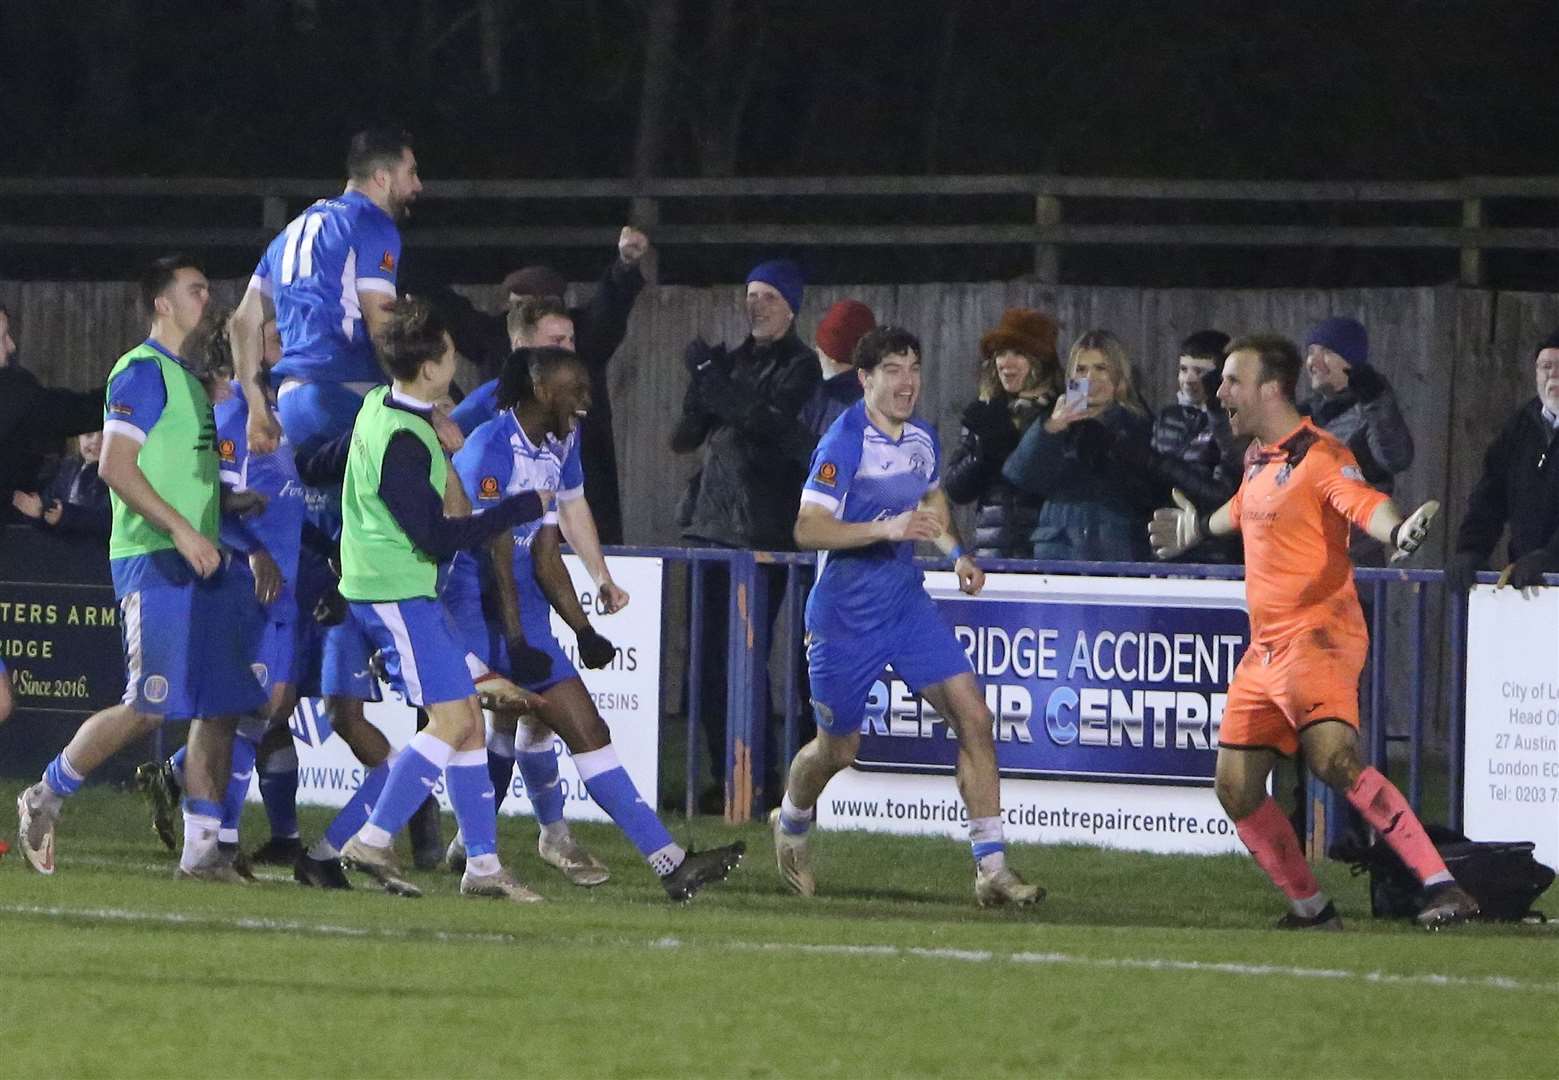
(741, 409)
(1005, 515)
(1094, 508)
(1194, 450)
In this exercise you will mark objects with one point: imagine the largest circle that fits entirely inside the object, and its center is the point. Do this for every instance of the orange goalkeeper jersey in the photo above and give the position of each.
(1293, 509)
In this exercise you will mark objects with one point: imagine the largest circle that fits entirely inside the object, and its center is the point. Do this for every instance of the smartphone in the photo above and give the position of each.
(1077, 392)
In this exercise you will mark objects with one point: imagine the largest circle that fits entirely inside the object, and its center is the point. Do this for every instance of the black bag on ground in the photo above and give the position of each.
(1501, 875)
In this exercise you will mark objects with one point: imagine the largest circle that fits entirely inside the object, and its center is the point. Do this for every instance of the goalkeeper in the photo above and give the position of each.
(1297, 685)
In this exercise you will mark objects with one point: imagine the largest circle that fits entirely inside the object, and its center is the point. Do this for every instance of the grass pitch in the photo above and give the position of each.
(1136, 965)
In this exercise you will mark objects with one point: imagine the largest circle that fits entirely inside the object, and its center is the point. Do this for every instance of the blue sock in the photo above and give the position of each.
(411, 780)
(471, 797)
(539, 771)
(609, 784)
(61, 778)
(500, 764)
(203, 808)
(244, 751)
(279, 791)
(350, 817)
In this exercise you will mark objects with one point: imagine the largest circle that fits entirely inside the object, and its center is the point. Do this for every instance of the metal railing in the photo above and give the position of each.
(748, 650)
(1042, 223)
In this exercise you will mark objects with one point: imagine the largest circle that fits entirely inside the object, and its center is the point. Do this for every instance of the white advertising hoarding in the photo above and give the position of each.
(627, 693)
(1510, 771)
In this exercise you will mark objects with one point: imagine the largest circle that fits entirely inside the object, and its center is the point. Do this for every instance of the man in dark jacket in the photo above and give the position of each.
(1519, 489)
(34, 419)
(599, 329)
(1354, 402)
(1193, 448)
(741, 408)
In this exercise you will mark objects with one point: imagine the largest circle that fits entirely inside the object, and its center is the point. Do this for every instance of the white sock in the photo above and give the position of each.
(227, 836)
(555, 831)
(323, 849)
(1441, 878)
(483, 865)
(200, 840)
(667, 859)
(793, 819)
(1310, 906)
(374, 836)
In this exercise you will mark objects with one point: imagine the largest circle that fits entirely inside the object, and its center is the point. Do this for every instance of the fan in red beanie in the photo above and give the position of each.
(842, 326)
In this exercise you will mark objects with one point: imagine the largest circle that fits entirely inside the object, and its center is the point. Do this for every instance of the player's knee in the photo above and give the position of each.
(1238, 798)
(1338, 766)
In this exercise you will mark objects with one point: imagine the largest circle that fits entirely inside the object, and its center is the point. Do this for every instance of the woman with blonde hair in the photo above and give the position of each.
(1020, 379)
(1095, 508)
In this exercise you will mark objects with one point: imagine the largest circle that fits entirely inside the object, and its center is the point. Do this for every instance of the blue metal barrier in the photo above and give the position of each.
(748, 650)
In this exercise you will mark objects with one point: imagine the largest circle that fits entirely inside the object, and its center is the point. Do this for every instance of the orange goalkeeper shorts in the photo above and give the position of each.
(1278, 691)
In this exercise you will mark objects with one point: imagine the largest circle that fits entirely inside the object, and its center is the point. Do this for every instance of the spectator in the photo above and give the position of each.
(34, 419)
(1093, 509)
(1518, 490)
(533, 323)
(7, 701)
(841, 327)
(599, 329)
(75, 500)
(1354, 402)
(1193, 448)
(740, 404)
(1020, 379)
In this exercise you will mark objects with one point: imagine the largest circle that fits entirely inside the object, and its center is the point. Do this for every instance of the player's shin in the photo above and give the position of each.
(500, 762)
(1272, 842)
(610, 785)
(1388, 814)
(279, 790)
(538, 764)
(242, 769)
(350, 818)
(413, 776)
(471, 797)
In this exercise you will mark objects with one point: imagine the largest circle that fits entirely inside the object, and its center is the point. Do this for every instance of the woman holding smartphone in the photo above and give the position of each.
(1095, 508)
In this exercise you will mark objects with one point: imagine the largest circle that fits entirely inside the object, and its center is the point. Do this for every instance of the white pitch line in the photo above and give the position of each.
(968, 956)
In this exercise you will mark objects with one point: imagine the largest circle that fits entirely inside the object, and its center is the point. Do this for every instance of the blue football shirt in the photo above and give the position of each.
(860, 474)
(313, 271)
(279, 527)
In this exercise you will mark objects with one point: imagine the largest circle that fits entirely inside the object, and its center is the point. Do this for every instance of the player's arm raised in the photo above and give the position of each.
(246, 332)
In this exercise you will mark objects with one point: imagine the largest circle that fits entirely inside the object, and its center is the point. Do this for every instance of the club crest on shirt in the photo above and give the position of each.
(489, 487)
(387, 264)
(828, 473)
(1351, 472)
(228, 450)
(919, 464)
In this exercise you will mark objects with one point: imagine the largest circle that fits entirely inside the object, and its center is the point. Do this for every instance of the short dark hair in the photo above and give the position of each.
(885, 340)
(1549, 342)
(528, 313)
(1279, 358)
(1205, 345)
(159, 274)
(414, 335)
(375, 148)
(525, 368)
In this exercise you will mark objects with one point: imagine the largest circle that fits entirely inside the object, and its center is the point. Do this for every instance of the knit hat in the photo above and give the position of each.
(535, 281)
(784, 276)
(1344, 336)
(1023, 330)
(843, 325)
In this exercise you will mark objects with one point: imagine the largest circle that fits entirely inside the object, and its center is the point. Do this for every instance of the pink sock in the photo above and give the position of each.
(1389, 814)
(1272, 841)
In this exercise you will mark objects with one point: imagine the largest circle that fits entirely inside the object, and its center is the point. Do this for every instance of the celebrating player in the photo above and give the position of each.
(188, 634)
(394, 534)
(504, 609)
(873, 491)
(1297, 686)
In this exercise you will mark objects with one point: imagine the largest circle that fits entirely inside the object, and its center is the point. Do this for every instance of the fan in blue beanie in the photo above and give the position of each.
(1344, 336)
(784, 277)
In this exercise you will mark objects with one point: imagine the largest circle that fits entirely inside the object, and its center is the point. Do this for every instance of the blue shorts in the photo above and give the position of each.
(482, 632)
(917, 643)
(424, 655)
(276, 656)
(189, 647)
(313, 413)
(332, 660)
